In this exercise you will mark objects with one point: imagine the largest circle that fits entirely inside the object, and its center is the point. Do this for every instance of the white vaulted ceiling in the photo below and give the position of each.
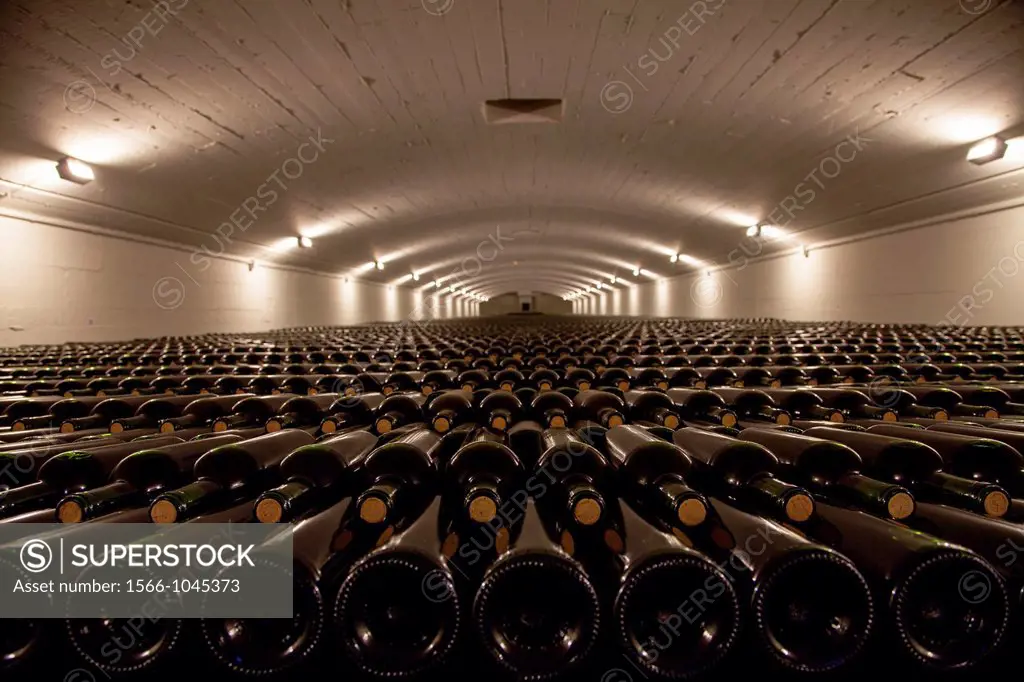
(682, 124)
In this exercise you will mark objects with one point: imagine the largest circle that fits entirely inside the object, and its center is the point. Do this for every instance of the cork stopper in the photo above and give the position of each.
(799, 508)
(116, 428)
(900, 506)
(545, 386)
(482, 509)
(70, 512)
(587, 511)
(584, 385)
(329, 426)
(507, 386)
(729, 420)
(163, 511)
(783, 419)
(373, 510)
(941, 416)
(383, 425)
(427, 389)
(623, 385)
(67, 428)
(269, 511)
(441, 424)
(219, 426)
(997, 503)
(273, 425)
(568, 543)
(499, 423)
(450, 545)
(672, 422)
(614, 541)
(692, 512)
(889, 416)
(837, 417)
(991, 414)
(167, 428)
(501, 540)
(557, 422)
(614, 420)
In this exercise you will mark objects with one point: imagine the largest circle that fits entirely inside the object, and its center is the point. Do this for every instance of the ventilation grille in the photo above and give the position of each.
(498, 111)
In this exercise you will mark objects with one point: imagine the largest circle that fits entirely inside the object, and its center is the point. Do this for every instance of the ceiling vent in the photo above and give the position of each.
(497, 111)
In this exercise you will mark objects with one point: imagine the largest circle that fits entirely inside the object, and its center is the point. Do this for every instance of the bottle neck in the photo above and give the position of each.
(976, 496)
(877, 497)
(785, 501)
(285, 502)
(683, 505)
(27, 498)
(90, 504)
(186, 502)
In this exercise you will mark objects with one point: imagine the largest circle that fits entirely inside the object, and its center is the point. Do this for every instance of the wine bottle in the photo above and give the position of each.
(302, 412)
(251, 412)
(655, 472)
(583, 478)
(919, 579)
(351, 411)
(753, 405)
(950, 401)
(201, 412)
(600, 407)
(482, 475)
(702, 406)
(71, 471)
(399, 409)
(675, 613)
(652, 406)
(315, 474)
(804, 404)
(103, 413)
(152, 413)
(536, 613)
(228, 474)
(812, 610)
(499, 410)
(138, 478)
(854, 403)
(448, 410)
(397, 473)
(398, 613)
(981, 459)
(552, 409)
(834, 470)
(918, 467)
(743, 471)
(323, 544)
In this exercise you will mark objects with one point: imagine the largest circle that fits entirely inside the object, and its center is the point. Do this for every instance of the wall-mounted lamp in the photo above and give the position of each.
(74, 170)
(990, 149)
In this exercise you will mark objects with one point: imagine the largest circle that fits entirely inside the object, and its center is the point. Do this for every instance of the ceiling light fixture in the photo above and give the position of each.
(674, 258)
(378, 264)
(305, 242)
(636, 271)
(990, 149)
(75, 171)
(754, 231)
(415, 276)
(613, 279)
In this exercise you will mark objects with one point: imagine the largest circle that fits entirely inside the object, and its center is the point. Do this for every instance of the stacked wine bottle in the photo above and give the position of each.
(621, 498)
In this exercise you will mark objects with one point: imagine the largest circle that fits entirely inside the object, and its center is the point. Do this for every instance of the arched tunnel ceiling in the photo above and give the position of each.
(234, 127)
